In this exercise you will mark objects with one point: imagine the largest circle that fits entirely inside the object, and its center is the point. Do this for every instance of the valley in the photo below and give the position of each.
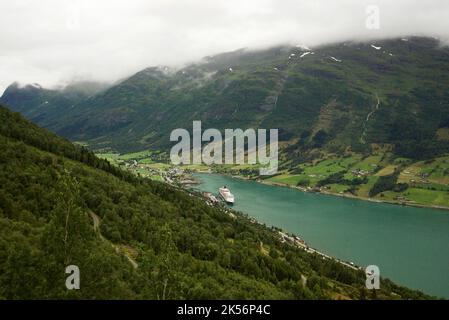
(424, 183)
(360, 120)
(296, 213)
(62, 205)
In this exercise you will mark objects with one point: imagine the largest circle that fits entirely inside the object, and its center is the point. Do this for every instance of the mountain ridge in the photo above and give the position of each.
(318, 97)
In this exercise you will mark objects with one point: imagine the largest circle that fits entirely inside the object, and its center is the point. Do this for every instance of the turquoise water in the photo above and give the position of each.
(410, 245)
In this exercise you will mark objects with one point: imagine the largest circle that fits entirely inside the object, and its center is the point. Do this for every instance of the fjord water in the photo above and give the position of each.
(410, 245)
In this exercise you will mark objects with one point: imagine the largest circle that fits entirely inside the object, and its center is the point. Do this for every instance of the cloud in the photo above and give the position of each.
(54, 41)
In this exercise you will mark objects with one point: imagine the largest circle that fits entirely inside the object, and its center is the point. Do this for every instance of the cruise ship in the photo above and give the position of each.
(226, 194)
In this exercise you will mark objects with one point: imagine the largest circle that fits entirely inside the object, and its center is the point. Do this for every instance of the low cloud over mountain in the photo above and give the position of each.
(55, 42)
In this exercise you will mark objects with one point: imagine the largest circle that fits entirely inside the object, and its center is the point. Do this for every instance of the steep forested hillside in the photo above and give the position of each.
(133, 238)
(334, 97)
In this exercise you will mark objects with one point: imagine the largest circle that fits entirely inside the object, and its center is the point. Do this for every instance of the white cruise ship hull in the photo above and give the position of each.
(226, 195)
(227, 200)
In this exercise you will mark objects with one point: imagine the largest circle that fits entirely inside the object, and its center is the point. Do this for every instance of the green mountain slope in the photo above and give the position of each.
(134, 239)
(391, 92)
(46, 106)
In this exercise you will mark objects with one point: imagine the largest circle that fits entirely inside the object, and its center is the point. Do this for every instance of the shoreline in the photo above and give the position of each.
(277, 184)
(294, 238)
(285, 236)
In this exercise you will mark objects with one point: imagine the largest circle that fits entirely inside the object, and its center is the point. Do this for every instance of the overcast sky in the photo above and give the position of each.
(53, 42)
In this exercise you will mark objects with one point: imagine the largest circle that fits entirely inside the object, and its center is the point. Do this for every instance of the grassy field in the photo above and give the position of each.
(337, 188)
(420, 196)
(146, 166)
(318, 170)
(363, 190)
(428, 181)
(435, 171)
(291, 180)
(113, 158)
(386, 170)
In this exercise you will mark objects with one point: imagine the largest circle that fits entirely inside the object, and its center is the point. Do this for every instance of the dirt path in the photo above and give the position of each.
(96, 220)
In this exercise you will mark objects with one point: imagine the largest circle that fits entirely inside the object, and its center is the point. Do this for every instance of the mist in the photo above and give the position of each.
(55, 42)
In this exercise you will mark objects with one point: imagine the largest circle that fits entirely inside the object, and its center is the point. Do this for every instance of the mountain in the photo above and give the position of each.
(352, 95)
(137, 239)
(46, 106)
